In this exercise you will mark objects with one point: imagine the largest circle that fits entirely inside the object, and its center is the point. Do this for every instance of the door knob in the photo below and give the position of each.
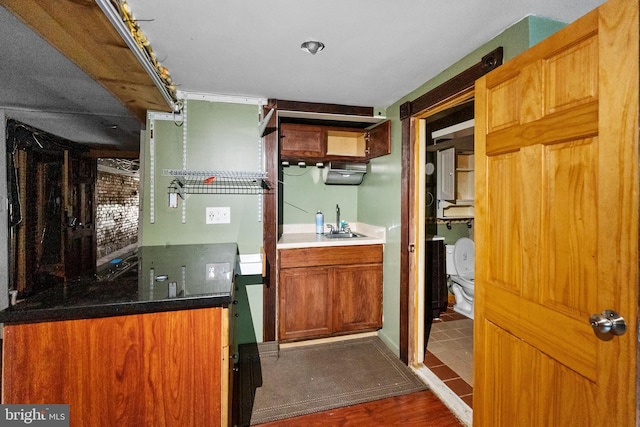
(608, 324)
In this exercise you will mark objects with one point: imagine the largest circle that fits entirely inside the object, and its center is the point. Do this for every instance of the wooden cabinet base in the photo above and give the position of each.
(329, 291)
(156, 369)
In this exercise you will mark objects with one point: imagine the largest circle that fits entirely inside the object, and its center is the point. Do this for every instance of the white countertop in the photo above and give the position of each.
(304, 236)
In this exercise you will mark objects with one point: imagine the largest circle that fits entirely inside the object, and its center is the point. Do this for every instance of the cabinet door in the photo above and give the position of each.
(300, 142)
(378, 140)
(446, 185)
(357, 297)
(305, 303)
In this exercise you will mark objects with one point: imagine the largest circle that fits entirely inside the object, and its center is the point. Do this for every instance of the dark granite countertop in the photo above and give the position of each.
(164, 278)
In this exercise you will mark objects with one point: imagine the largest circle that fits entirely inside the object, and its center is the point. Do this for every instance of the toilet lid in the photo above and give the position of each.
(463, 257)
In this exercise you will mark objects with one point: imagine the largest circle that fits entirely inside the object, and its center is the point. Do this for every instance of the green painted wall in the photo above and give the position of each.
(379, 196)
(541, 28)
(220, 136)
(305, 193)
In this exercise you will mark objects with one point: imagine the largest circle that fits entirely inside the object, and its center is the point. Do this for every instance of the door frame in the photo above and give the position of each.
(454, 91)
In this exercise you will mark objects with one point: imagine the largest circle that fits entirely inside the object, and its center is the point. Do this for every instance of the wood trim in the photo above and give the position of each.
(404, 239)
(460, 85)
(270, 229)
(455, 85)
(313, 107)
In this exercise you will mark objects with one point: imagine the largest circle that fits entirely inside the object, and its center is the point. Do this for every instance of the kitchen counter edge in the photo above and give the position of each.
(303, 236)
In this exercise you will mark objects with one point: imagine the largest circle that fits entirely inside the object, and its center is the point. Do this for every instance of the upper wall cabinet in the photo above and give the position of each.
(302, 142)
(455, 164)
(317, 143)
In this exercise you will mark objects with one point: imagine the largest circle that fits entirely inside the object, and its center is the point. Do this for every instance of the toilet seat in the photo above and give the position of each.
(465, 283)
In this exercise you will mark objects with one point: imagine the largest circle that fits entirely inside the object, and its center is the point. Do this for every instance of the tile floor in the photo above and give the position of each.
(449, 353)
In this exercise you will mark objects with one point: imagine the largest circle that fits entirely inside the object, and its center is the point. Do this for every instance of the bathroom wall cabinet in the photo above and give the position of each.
(328, 291)
(317, 143)
(455, 183)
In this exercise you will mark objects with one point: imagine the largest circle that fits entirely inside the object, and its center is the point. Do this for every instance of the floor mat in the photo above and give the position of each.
(288, 382)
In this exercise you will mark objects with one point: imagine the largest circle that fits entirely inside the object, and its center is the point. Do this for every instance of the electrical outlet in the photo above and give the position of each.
(218, 215)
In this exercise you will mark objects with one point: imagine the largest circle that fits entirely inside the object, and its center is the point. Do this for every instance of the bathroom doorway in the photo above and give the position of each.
(446, 99)
(445, 142)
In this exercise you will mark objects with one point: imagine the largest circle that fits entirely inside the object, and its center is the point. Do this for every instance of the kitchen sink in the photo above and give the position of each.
(343, 235)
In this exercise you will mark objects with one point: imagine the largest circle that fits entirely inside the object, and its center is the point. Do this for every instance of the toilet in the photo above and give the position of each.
(460, 258)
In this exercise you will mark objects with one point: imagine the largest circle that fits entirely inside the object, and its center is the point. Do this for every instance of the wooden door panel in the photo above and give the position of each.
(505, 205)
(572, 343)
(557, 227)
(569, 270)
(357, 297)
(563, 90)
(305, 302)
(518, 398)
(379, 140)
(503, 104)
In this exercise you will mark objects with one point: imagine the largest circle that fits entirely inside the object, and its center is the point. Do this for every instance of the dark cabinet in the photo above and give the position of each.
(329, 291)
(437, 292)
(305, 303)
(302, 142)
(379, 140)
(314, 143)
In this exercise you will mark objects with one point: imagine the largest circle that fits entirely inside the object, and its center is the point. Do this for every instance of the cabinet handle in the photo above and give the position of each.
(236, 314)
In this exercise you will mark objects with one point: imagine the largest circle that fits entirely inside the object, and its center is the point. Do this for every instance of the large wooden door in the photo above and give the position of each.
(557, 227)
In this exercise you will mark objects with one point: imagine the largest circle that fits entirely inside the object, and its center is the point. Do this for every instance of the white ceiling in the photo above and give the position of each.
(377, 51)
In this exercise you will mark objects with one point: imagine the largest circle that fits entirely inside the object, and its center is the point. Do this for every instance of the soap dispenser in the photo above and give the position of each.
(319, 222)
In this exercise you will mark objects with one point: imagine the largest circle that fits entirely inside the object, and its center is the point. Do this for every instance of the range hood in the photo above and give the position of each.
(344, 173)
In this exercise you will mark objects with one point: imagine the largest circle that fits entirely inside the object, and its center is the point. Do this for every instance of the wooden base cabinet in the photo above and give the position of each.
(329, 291)
(154, 369)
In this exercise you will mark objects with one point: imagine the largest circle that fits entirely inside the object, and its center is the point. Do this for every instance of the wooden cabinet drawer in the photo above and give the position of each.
(331, 255)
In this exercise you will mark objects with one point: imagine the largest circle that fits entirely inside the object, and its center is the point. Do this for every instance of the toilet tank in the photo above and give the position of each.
(451, 268)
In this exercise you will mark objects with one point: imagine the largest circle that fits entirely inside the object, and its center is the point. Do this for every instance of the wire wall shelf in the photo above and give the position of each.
(217, 182)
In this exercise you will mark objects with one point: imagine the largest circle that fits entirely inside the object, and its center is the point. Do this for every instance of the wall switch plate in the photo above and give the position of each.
(218, 215)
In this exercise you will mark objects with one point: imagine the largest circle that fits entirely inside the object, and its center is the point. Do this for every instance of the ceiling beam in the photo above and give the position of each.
(80, 31)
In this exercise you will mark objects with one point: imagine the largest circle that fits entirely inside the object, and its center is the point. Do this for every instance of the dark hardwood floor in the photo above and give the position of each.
(416, 409)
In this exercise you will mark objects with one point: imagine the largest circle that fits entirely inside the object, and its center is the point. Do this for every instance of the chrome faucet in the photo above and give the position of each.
(338, 217)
